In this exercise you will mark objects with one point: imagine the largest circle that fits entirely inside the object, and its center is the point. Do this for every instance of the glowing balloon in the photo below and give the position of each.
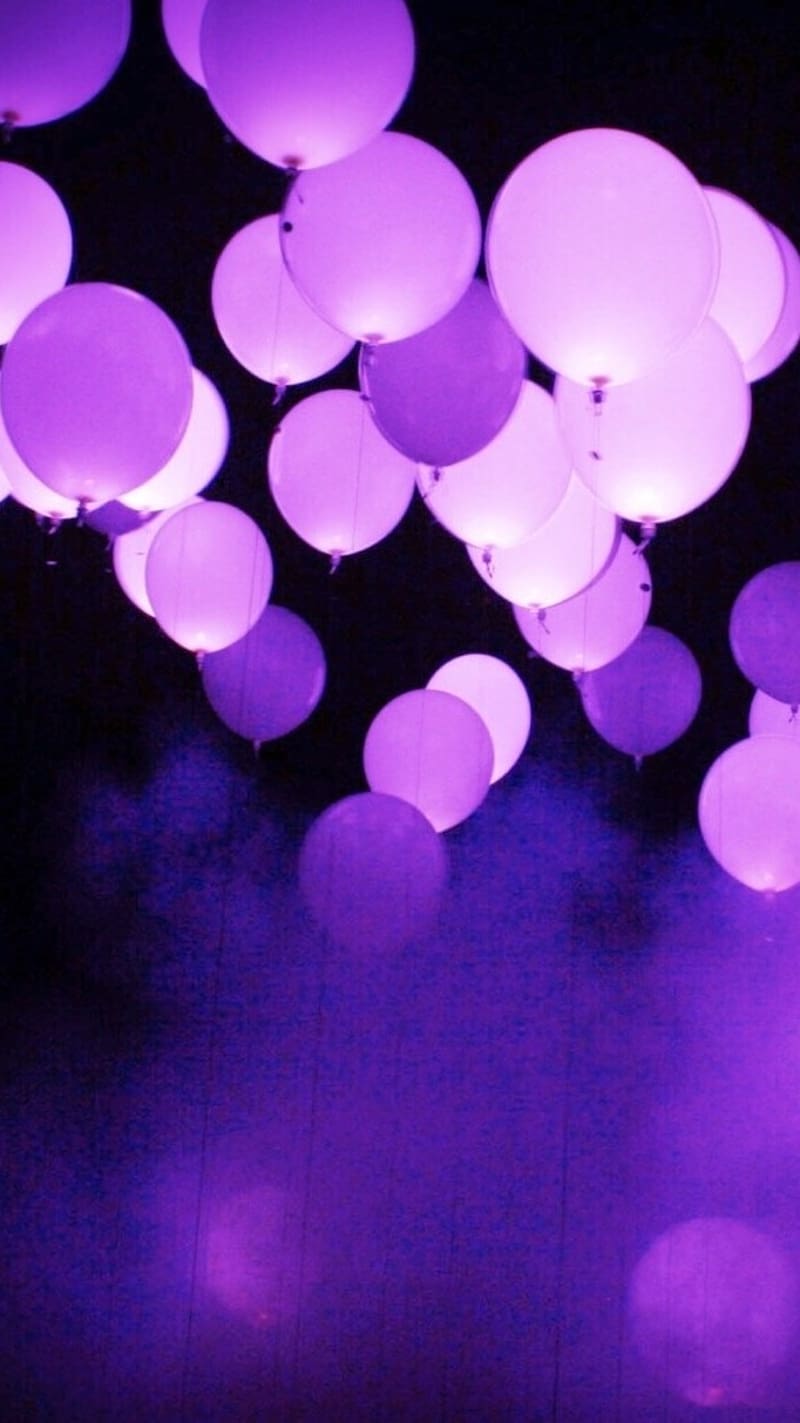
(647, 697)
(661, 446)
(337, 482)
(752, 282)
(129, 557)
(765, 631)
(603, 254)
(500, 698)
(307, 83)
(198, 458)
(269, 682)
(208, 575)
(594, 627)
(25, 487)
(772, 718)
(749, 811)
(442, 395)
(786, 333)
(35, 249)
(97, 390)
(384, 243)
(181, 21)
(55, 55)
(564, 555)
(372, 871)
(431, 749)
(264, 321)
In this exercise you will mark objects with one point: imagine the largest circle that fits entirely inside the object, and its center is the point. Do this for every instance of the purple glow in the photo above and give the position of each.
(500, 698)
(786, 333)
(256, 1256)
(129, 558)
(749, 811)
(751, 286)
(198, 458)
(181, 21)
(765, 632)
(25, 487)
(35, 250)
(269, 682)
(647, 697)
(55, 55)
(772, 717)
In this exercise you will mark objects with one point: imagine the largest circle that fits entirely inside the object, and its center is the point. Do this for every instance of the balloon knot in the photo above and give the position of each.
(280, 390)
(336, 560)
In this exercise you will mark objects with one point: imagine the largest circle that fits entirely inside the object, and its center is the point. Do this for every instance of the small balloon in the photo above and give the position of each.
(35, 249)
(749, 811)
(646, 698)
(198, 458)
(498, 695)
(765, 631)
(269, 682)
(54, 58)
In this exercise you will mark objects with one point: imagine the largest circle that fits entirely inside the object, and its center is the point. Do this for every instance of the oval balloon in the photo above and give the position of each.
(433, 750)
(384, 243)
(55, 55)
(603, 254)
(198, 458)
(751, 285)
(771, 718)
(765, 631)
(96, 391)
(749, 811)
(266, 324)
(269, 682)
(786, 333)
(25, 487)
(500, 698)
(129, 557)
(35, 250)
(442, 395)
(308, 83)
(181, 20)
(648, 697)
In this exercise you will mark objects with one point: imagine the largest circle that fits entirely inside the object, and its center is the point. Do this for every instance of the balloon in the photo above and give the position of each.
(752, 281)
(603, 254)
(646, 698)
(306, 84)
(500, 698)
(593, 628)
(336, 481)
(384, 243)
(771, 717)
(35, 249)
(181, 21)
(25, 487)
(208, 575)
(372, 871)
(55, 55)
(765, 631)
(269, 682)
(786, 333)
(129, 557)
(442, 395)
(266, 324)
(749, 811)
(198, 458)
(564, 555)
(433, 750)
(96, 391)
(661, 446)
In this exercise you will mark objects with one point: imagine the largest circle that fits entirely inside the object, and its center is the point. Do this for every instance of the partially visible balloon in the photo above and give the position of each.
(266, 324)
(772, 718)
(25, 487)
(647, 697)
(181, 20)
(433, 750)
(56, 55)
(129, 557)
(35, 249)
(442, 395)
(384, 243)
(749, 811)
(198, 458)
(113, 519)
(765, 631)
(269, 682)
(786, 332)
(372, 870)
(751, 285)
(500, 698)
(593, 628)
(308, 83)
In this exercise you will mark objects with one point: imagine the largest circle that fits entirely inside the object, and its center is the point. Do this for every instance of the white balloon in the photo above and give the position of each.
(786, 333)
(129, 557)
(35, 249)
(751, 285)
(772, 718)
(198, 458)
(500, 698)
(749, 811)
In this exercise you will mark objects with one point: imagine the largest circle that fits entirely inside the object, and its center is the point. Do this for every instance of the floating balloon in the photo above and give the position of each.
(751, 285)
(786, 333)
(384, 243)
(372, 871)
(500, 698)
(593, 628)
(431, 749)
(198, 458)
(54, 58)
(181, 20)
(208, 575)
(442, 395)
(772, 718)
(264, 321)
(336, 481)
(129, 556)
(97, 390)
(269, 682)
(603, 254)
(308, 83)
(25, 487)
(765, 631)
(749, 811)
(35, 249)
(661, 446)
(646, 698)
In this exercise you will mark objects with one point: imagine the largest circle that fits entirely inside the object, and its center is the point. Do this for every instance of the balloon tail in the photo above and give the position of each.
(200, 658)
(638, 762)
(598, 397)
(542, 619)
(280, 391)
(488, 562)
(8, 122)
(336, 561)
(647, 532)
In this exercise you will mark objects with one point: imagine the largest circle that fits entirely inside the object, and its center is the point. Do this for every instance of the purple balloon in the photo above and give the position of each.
(646, 698)
(55, 55)
(786, 333)
(35, 249)
(269, 682)
(442, 395)
(765, 633)
(749, 811)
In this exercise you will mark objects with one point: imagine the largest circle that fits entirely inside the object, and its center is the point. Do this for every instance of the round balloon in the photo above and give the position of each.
(306, 84)
(442, 395)
(96, 391)
(129, 557)
(603, 254)
(433, 750)
(55, 55)
(25, 487)
(765, 631)
(749, 811)
(181, 20)
(269, 682)
(646, 698)
(751, 285)
(786, 333)
(198, 458)
(500, 698)
(35, 249)
(384, 243)
(772, 718)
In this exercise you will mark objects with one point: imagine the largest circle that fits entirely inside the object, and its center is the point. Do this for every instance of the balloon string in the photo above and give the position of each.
(647, 532)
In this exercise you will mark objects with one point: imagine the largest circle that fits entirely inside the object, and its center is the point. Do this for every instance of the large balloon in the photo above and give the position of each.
(442, 395)
(306, 83)
(35, 249)
(129, 557)
(749, 811)
(55, 55)
(786, 332)
(96, 391)
(25, 487)
(198, 458)
(500, 698)
(661, 446)
(765, 631)
(181, 20)
(647, 697)
(384, 243)
(602, 251)
(751, 285)
(269, 682)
